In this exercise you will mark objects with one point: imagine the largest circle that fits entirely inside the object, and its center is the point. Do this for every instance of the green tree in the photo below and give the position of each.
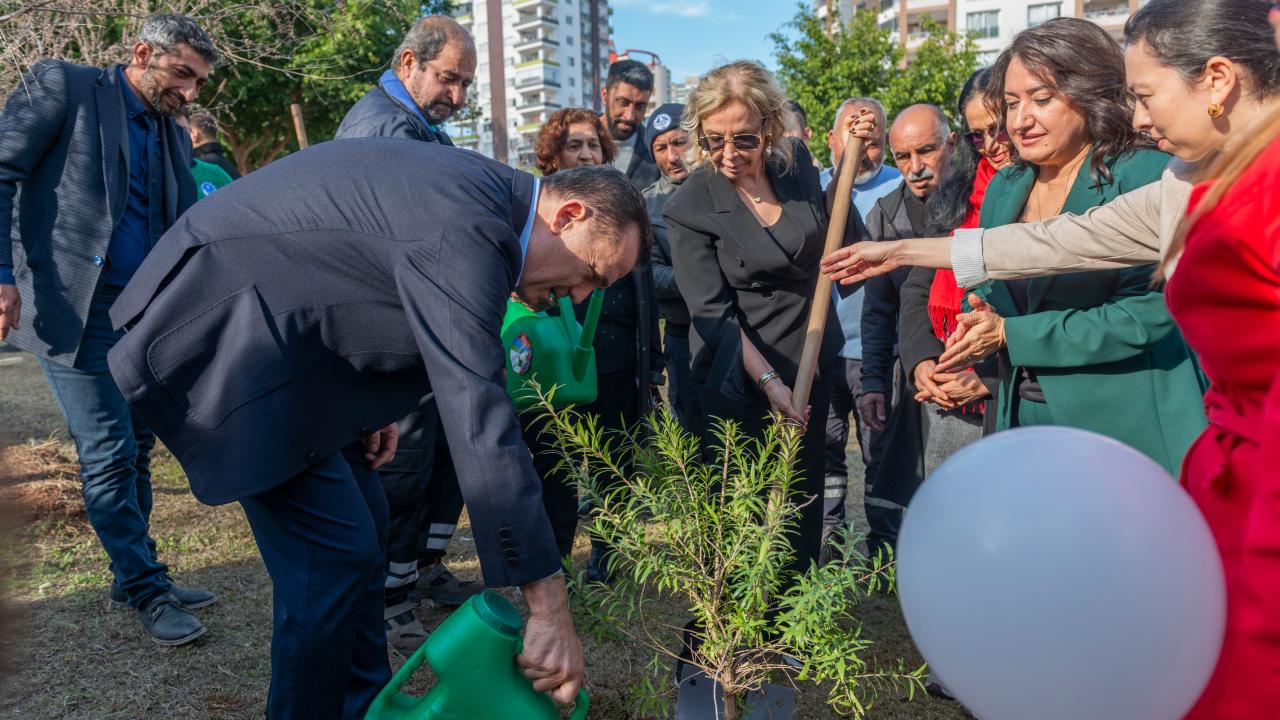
(713, 538)
(820, 68)
(322, 55)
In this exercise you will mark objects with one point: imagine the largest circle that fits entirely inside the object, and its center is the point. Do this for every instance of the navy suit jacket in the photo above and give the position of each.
(321, 297)
(64, 175)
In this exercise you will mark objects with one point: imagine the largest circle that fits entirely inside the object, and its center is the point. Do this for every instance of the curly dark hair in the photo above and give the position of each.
(1081, 62)
(554, 133)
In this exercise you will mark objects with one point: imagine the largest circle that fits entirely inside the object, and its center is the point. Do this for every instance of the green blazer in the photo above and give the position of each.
(1102, 344)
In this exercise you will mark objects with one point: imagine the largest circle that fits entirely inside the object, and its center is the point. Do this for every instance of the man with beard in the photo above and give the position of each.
(626, 97)
(431, 71)
(922, 144)
(427, 83)
(873, 181)
(103, 172)
(668, 142)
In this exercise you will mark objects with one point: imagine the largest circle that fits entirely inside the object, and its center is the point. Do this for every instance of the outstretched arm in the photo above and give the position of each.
(1126, 232)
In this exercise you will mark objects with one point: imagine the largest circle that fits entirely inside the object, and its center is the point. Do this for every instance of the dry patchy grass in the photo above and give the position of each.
(75, 659)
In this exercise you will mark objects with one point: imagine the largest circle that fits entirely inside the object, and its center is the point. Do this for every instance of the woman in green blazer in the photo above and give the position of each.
(1093, 350)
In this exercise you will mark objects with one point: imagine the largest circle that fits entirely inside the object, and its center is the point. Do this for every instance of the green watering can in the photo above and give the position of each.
(554, 351)
(473, 654)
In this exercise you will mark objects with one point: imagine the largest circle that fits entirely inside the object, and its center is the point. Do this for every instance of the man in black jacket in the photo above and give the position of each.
(668, 143)
(922, 143)
(428, 82)
(626, 94)
(203, 127)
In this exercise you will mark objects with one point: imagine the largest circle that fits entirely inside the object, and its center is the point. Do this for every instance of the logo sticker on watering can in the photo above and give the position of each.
(521, 354)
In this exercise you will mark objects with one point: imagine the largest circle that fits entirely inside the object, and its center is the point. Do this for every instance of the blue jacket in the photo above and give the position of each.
(379, 114)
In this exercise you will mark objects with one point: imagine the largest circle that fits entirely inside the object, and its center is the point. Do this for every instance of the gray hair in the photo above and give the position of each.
(868, 102)
(165, 32)
(428, 37)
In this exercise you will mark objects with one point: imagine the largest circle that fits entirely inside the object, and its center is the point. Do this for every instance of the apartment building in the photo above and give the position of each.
(533, 58)
(993, 23)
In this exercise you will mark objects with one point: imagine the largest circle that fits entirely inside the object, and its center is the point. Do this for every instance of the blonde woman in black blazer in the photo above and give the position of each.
(746, 231)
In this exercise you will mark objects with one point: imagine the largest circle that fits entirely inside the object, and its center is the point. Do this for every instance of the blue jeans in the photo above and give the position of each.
(114, 449)
(322, 535)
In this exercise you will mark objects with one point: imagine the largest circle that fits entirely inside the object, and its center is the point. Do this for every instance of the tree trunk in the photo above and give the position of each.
(730, 706)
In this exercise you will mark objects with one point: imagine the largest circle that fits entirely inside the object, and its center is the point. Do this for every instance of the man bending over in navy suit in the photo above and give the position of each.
(290, 314)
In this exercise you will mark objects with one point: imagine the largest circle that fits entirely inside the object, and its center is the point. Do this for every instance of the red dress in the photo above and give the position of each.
(1225, 296)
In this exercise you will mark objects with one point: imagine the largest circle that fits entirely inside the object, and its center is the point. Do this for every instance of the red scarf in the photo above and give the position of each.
(945, 296)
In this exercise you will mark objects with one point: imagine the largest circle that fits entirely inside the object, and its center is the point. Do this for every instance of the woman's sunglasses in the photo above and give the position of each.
(978, 138)
(712, 144)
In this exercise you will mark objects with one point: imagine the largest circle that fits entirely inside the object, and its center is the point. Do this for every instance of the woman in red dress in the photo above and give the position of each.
(1226, 299)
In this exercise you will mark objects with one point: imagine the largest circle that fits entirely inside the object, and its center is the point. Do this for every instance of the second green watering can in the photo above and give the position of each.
(552, 350)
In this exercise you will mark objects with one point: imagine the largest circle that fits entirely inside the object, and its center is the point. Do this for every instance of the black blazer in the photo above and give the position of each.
(735, 277)
(320, 297)
(64, 183)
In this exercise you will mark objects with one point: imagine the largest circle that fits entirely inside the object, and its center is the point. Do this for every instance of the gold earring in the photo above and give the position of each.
(1215, 110)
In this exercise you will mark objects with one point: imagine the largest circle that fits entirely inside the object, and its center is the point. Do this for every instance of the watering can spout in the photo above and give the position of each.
(582, 353)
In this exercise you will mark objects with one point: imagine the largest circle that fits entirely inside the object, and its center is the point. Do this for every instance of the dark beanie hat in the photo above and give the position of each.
(666, 117)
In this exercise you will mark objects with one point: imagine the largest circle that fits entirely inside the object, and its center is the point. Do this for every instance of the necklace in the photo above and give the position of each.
(757, 199)
(1040, 189)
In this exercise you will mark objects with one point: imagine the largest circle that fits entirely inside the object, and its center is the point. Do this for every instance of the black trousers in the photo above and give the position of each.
(425, 502)
(322, 536)
(807, 491)
(682, 389)
(618, 406)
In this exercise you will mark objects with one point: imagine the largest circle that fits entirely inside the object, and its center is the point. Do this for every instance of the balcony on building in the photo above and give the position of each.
(534, 4)
(536, 61)
(916, 29)
(536, 104)
(464, 12)
(534, 41)
(536, 81)
(1106, 12)
(534, 19)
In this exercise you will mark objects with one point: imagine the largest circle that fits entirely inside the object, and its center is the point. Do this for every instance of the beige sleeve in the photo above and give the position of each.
(1125, 232)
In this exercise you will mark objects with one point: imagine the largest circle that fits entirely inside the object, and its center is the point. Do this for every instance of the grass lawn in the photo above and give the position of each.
(75, 658)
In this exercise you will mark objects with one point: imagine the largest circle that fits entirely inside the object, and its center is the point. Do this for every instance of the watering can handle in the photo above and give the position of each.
(386, 697)
(580, 706)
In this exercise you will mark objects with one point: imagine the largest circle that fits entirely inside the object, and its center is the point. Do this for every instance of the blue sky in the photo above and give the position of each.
(692, 36)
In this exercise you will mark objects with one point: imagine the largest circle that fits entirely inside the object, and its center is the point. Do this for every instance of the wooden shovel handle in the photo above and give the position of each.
(822, 291)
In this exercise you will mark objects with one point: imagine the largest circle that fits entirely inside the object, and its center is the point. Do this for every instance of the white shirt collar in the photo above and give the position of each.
(528, 227)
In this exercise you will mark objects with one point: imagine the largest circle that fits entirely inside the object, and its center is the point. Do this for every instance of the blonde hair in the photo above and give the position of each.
(749, 83)
(1224, 173)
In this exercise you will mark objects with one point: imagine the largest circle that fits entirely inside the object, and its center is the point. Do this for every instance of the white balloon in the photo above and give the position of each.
(1050, 573)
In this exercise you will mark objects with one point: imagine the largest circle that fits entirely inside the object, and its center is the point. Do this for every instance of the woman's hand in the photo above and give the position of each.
(783, 403)
(980, 335)
(860, 261)
(927, 389)
(862, 125)
(963, 387)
